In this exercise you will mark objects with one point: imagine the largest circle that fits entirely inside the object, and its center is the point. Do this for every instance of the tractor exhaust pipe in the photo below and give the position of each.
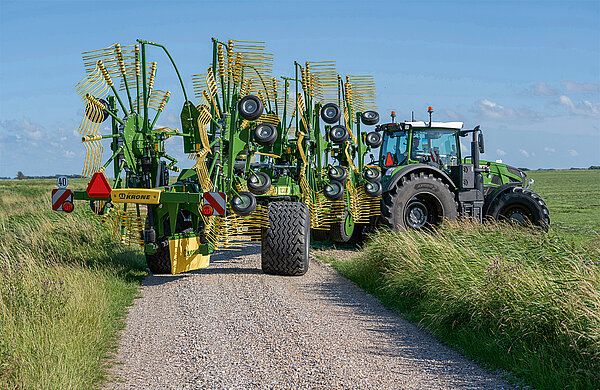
(475, 159)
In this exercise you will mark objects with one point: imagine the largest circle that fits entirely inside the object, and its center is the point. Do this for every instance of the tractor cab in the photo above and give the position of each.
(433, 143)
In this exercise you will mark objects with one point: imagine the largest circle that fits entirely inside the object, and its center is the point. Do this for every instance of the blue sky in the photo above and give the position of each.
(527, 72)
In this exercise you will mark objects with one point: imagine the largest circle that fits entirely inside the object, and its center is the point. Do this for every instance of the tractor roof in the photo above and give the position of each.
(436, 125)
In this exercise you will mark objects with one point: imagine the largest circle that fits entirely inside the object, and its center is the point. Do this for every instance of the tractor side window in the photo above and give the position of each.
(437, 146)
(393, 149)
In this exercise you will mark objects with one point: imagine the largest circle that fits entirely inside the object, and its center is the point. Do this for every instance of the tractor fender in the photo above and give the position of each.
(489, 199)
(418, 168)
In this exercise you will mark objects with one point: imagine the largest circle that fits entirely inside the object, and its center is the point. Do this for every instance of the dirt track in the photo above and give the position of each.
(231, 326)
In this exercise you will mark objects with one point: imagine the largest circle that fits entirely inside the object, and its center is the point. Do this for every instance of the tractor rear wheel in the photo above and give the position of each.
(286, 241)
(521, 206)
(419, 201)
(160, 262)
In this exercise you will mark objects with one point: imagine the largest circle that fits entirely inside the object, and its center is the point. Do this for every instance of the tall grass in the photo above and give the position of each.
(64, 288)
(518, 299)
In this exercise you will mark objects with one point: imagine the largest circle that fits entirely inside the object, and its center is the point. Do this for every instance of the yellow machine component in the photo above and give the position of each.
(323, 78)
(132, 227)
(93, 156)
(363, 92)
(93, 84)
(135, 195)
(202, 171)
(185, 255)
(301, 109)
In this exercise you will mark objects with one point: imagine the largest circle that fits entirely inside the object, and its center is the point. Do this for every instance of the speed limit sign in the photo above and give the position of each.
(62, 182)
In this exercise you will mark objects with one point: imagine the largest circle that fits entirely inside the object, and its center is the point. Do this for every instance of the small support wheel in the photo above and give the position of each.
(259, 183)
(369, 118)
(250, 107)
(337, 173)
(342, 231)
(243, 203)
(331, 113)
(339, 134)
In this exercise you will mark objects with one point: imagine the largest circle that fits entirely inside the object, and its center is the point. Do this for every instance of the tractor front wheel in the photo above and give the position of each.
(285, 243)
(521, 206)
(417, 202)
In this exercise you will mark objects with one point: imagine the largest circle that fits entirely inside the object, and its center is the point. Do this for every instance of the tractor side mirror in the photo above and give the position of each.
(481, 143)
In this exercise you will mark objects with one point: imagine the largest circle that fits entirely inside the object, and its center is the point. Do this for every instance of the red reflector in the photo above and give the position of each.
(207, 209)
(98, 187)
(388, 160)
(67, 207)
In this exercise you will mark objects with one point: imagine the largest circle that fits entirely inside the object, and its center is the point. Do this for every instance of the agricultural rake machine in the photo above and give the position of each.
(271, 159)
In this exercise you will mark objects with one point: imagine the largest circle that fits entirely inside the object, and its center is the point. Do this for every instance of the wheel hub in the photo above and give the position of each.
(349, 225)
(416, 215)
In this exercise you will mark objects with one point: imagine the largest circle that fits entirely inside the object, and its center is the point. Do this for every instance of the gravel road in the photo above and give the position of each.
(230, 326)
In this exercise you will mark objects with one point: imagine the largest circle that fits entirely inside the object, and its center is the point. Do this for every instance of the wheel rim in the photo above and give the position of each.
(422, 210)
(348, 225)
(330, 112)
(416, 215)
(516, 214)
(250, 106)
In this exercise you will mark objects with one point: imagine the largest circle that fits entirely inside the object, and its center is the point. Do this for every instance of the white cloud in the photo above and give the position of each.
(549, 150)
(573, 152)
(500, 152)
(453, 116)
(582, 108)
(572, 86)
(543, 89)
(69, 154)
(492, 110)
(524, 152)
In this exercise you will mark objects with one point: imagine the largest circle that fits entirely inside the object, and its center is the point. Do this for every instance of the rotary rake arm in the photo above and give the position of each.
(253, 139)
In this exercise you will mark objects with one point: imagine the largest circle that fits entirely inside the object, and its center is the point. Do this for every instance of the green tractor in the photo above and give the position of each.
(426, 179)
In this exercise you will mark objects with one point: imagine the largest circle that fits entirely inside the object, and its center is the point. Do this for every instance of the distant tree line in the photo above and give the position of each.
(22, 176)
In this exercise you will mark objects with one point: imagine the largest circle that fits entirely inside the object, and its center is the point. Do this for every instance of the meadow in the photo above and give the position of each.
(512, 298)
(64, 289)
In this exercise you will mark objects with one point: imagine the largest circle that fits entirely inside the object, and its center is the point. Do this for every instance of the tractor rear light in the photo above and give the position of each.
(67, 206)
(207, 210)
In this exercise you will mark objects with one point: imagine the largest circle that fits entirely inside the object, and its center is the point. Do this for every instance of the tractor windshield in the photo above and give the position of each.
(436, 145)
(393, 149)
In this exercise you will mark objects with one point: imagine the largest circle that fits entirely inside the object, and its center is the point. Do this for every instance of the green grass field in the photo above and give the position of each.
(573, 198)
(514, 298)
(64, 289)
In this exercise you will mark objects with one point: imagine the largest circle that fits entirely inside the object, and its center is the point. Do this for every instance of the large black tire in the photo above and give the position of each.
(342, 231)
(286, 242)
(419, 201)
(160, 262)
(522, 206)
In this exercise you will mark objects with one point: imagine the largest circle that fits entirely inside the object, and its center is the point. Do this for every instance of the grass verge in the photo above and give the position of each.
(64, 289)
(521, 300)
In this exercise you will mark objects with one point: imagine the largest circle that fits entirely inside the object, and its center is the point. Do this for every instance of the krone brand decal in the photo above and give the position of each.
(135, 196)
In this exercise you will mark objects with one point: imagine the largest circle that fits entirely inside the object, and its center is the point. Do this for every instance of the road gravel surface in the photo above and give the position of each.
(230, 326)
